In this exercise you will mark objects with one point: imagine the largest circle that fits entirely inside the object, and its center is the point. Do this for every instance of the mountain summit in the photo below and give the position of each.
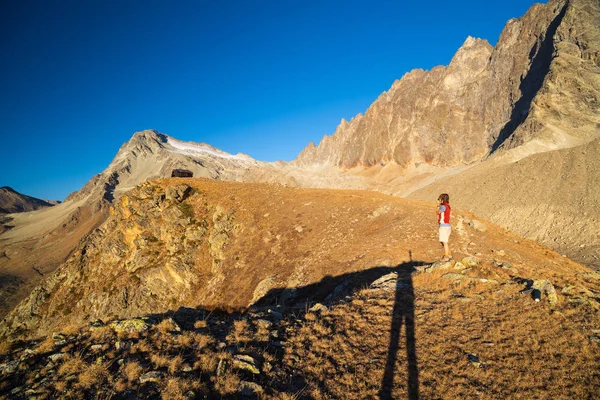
(539, 83)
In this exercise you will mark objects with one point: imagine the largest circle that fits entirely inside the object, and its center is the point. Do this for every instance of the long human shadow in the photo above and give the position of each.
(403, 314)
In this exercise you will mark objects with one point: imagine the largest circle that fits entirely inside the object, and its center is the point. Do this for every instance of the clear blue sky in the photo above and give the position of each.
(261, 77)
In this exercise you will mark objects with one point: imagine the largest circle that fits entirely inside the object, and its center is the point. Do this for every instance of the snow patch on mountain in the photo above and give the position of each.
(194, 149)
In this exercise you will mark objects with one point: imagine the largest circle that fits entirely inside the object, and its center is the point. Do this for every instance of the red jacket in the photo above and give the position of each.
(445, 214)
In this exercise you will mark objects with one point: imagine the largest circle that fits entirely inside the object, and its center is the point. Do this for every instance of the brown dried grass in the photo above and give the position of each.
(132, 371)
(93, 376)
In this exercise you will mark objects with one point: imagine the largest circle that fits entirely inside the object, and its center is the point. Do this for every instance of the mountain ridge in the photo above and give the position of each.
(12, 201)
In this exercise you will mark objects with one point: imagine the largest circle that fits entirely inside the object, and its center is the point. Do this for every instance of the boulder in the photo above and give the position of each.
(439, 265)
(318, 308)
(245, 363)
(470, 262)
(250, 389)
(9, 367)
(477, 225)
(137, 325)
(57, 357)
(178, 193)
(152, 376)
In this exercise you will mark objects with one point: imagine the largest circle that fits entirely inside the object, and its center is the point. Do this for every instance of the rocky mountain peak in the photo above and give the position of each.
(487, 99)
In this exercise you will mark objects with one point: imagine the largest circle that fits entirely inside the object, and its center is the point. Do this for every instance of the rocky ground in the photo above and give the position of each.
(318, 294)
(466, 329)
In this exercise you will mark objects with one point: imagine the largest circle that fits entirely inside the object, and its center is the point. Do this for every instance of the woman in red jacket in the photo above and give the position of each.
(444, 222)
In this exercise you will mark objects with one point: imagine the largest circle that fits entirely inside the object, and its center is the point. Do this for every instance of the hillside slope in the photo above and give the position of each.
(224, 245)
(174, 253)
(550, 197)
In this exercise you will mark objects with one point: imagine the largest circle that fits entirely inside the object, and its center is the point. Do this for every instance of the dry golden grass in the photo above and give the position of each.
(60, 386)
(207, 363)
(193, 339)
(166, 326)
(121, 385)
(46, 346)
(227, 384)
(93, 376)
(142, 346)
(70, 329)
(175, 364)
(5, 347)
(241, 332)
(528, 349)
(160, 360)
(71, 365)
(102, 334)
(177, 389)
(200, 324)
(132, 371)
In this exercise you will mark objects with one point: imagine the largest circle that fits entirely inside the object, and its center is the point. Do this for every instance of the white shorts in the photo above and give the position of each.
(445, 233)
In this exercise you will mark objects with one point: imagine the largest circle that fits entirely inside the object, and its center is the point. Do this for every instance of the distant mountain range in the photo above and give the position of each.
(12, 201)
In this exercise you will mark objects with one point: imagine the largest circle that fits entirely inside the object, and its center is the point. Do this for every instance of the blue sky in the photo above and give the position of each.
(261, 77)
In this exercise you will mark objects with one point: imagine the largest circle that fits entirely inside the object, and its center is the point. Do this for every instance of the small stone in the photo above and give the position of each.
(122, 345)
(470, 262)
(97, 323)
(440, 265)
(263, 323)
(276, 315)
(250, 389)
(501, 253)
(477, 225)
(246, 363)
(175, 327)
(17, 390)
(96, 347)
(57, 357)
(475, 360)
(221, 345)
(459, 265)
(186, 368)
(152, 376)
(320, 308)
(387, 281)
(9, 367)
(222, 367)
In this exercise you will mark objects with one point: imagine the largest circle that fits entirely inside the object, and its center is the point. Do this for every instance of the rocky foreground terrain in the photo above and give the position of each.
(337, 295)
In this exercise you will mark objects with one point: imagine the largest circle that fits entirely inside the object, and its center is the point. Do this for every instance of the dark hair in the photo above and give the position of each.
(444, 198)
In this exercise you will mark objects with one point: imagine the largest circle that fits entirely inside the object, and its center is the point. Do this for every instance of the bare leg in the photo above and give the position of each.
(446, 249)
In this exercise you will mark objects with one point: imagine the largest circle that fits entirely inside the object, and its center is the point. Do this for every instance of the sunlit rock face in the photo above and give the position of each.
(540, 81)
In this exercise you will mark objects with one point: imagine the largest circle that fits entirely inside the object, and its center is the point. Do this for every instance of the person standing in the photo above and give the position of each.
(444, 224)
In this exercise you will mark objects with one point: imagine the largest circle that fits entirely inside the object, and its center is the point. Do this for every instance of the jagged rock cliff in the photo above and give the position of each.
(540, 80)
